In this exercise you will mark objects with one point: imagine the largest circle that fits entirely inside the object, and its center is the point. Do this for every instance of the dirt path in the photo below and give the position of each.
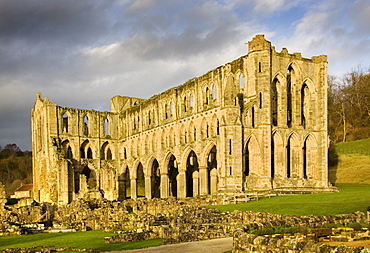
(209, 246)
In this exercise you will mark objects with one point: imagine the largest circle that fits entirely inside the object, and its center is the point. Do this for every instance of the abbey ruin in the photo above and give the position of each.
(256, 123)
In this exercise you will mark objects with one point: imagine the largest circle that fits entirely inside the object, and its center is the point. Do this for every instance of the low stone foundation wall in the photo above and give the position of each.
(176, 221)
(244, 242)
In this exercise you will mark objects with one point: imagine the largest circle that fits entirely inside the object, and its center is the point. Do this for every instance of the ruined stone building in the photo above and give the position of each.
(256, 123)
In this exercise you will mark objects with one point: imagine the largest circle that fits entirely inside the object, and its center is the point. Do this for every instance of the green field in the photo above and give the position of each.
(351, 198)
(354, 147)
(79, 240)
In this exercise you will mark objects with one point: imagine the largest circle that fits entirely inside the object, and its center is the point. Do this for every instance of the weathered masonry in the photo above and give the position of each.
(256, 123)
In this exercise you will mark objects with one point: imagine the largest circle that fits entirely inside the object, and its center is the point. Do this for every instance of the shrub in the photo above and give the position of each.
(356, 226)
(330, 225)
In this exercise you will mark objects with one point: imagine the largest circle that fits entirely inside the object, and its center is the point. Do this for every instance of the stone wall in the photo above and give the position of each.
(244, 242)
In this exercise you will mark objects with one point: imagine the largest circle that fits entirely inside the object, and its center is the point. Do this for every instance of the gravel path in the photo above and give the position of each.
(209, 246)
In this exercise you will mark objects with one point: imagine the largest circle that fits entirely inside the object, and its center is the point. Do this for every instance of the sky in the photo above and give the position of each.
(82, 53)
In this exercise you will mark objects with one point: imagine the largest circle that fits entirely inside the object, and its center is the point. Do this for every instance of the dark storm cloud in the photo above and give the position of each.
(59, 22)
(82, 53)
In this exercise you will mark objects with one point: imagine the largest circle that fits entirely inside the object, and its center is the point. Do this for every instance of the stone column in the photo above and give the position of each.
(133, 186)
(195, 183)
(164, 185)
(203, 180)
(181, 184)
(148, 187)
(214, 181)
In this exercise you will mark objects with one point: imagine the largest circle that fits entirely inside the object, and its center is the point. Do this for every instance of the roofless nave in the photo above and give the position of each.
(258, 122)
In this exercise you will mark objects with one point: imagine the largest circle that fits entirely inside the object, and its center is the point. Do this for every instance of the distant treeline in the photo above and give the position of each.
(15, 167)
(349, 106)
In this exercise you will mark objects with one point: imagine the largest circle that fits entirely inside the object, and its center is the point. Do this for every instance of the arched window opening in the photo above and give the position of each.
(185, 104)
(106, 126)
(207, 131)
(192, 175)
(140, 181)
(127, 183)
(304, 104)
(218, 127)
(195, 134)
(246, 160)
(138, 122)
(109, 154)
(185, 137)
(259, 67)
(214, 92)
(124, 153)
(241, 81)
(305, 159)
(65, 123)
(156, 180)
(289, 96)
(82, 153)
(206, 96)
(172, 176)
(166, 111)
(89, 154)
(171, 109)
(69, 154)
(274, 102)
(149, 119)
(191, 102)
(212, 171)
(86, 126)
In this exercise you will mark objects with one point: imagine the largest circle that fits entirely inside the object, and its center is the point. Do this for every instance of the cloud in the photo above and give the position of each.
(82, 53)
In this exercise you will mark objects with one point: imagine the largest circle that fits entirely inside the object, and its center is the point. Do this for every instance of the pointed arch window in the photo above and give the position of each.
(304, 104)
(65, 122)
(290, 76)
(171, 109)
(241, 81)
(191, 102)
(86, 126)
(274, 102)
(106, 126)
(214, 92)
(206, 96)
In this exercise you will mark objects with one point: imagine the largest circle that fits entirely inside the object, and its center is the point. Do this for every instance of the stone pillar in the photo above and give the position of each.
(133, 186)
(121, 189)
(148, 187)
(203, 180)
(195, 183)
(214, 181)
(164, 185)
(181, 184)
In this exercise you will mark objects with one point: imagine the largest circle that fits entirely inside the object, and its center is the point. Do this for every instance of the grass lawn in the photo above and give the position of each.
(80, 240)
(351, 198)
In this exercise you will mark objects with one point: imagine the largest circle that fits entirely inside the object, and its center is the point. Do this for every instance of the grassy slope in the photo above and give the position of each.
(348, 200)
(351, 176)
(80, 240)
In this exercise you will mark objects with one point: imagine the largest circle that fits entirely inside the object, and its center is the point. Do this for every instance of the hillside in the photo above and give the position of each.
(354, 163)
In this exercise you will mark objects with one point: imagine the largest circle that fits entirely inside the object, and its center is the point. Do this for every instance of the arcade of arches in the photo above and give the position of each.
(256, 123)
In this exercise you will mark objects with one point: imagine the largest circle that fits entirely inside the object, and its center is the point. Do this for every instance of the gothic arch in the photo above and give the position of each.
(277, 154)
(66, 122)
(293, 156)
(67, 149)
(252, 157)
(310, 158)
(86, 150)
